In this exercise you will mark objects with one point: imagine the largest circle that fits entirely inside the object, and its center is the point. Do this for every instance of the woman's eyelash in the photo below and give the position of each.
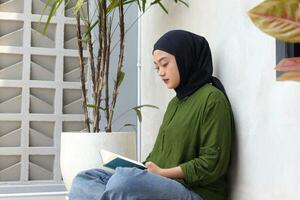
(157, 68)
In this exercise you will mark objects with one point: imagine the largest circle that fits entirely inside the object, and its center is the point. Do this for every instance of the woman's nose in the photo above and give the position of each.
(161, 72)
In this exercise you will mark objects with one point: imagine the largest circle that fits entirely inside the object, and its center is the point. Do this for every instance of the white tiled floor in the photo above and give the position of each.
(40, 196)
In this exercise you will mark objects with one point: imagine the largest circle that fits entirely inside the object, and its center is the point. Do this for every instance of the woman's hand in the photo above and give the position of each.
(151, 167)
(175, 172)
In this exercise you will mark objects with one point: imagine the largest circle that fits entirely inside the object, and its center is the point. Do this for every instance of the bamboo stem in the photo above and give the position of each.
(91, 49)
(107, 70)
(103, 31)
(120, 65)
(82, 77)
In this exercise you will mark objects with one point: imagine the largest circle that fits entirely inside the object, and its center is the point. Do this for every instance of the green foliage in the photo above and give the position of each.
(98, 66)
(91, 105)
(138, 112)
(121, 77)
(279, 19)
(55, 4)
(128, 125)
(78, 6)
(113, 4)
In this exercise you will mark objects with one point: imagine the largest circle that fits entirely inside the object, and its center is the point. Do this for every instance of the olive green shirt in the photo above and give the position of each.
(196, 135)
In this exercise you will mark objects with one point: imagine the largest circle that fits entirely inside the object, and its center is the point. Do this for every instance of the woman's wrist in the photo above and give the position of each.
(174, 172)
(162, 172)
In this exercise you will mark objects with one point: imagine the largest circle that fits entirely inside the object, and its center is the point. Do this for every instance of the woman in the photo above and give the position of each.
(191, 154)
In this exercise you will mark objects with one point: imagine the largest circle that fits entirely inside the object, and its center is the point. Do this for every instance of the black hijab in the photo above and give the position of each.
(193, 59)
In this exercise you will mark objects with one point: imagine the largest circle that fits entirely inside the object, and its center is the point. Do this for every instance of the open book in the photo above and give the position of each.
(113, 160)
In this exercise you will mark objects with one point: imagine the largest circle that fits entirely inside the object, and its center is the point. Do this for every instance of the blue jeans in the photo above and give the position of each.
(127, 184)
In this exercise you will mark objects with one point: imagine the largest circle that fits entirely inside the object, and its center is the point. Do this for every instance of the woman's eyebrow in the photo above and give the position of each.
(162, 58)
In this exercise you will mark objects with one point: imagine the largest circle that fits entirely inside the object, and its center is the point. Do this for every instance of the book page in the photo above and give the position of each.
(111, 159)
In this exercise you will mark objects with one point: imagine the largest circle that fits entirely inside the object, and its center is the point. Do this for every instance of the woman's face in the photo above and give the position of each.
(166, 67)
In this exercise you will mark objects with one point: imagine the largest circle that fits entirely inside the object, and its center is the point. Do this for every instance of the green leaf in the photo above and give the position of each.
(121, 77)
(139, 114)
(113, 4)
(160, 4)
(139, 4)
(154, 2)
(54, 7)
(43, 12)
(102, 108)
(185, 3)
(279, 19)
(45, 7)
(129, 2)
(91, 105)
(90, 29)
(78, 6)
(85, 39)
(144, 5)
(94, 106)
(163, 7)
(128, 125)
(145, 105)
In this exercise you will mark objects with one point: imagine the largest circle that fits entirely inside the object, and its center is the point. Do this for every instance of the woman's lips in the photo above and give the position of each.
(166, 80)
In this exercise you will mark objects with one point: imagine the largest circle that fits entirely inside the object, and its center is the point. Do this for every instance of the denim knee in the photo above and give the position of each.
(123, 181)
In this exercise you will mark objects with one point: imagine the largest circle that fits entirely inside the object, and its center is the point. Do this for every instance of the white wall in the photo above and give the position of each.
(266, 158)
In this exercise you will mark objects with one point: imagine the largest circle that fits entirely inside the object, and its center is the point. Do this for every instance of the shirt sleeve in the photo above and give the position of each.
(147, 159)
(214, 152)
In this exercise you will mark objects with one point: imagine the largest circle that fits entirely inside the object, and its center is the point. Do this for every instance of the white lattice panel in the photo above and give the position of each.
(39, 90)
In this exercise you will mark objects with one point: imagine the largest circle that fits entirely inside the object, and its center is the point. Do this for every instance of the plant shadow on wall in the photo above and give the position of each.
(100, 48)
(281, 20)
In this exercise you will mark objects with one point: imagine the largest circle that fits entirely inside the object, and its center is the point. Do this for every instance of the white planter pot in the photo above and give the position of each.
(81, 151)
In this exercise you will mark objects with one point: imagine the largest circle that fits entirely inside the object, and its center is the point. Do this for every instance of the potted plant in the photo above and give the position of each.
(81, 151)
(281, 20)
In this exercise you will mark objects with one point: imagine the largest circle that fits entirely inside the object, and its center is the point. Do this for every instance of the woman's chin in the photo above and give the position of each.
(170, 87)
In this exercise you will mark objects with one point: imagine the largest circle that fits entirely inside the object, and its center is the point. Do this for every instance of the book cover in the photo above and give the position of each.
(113, 160)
